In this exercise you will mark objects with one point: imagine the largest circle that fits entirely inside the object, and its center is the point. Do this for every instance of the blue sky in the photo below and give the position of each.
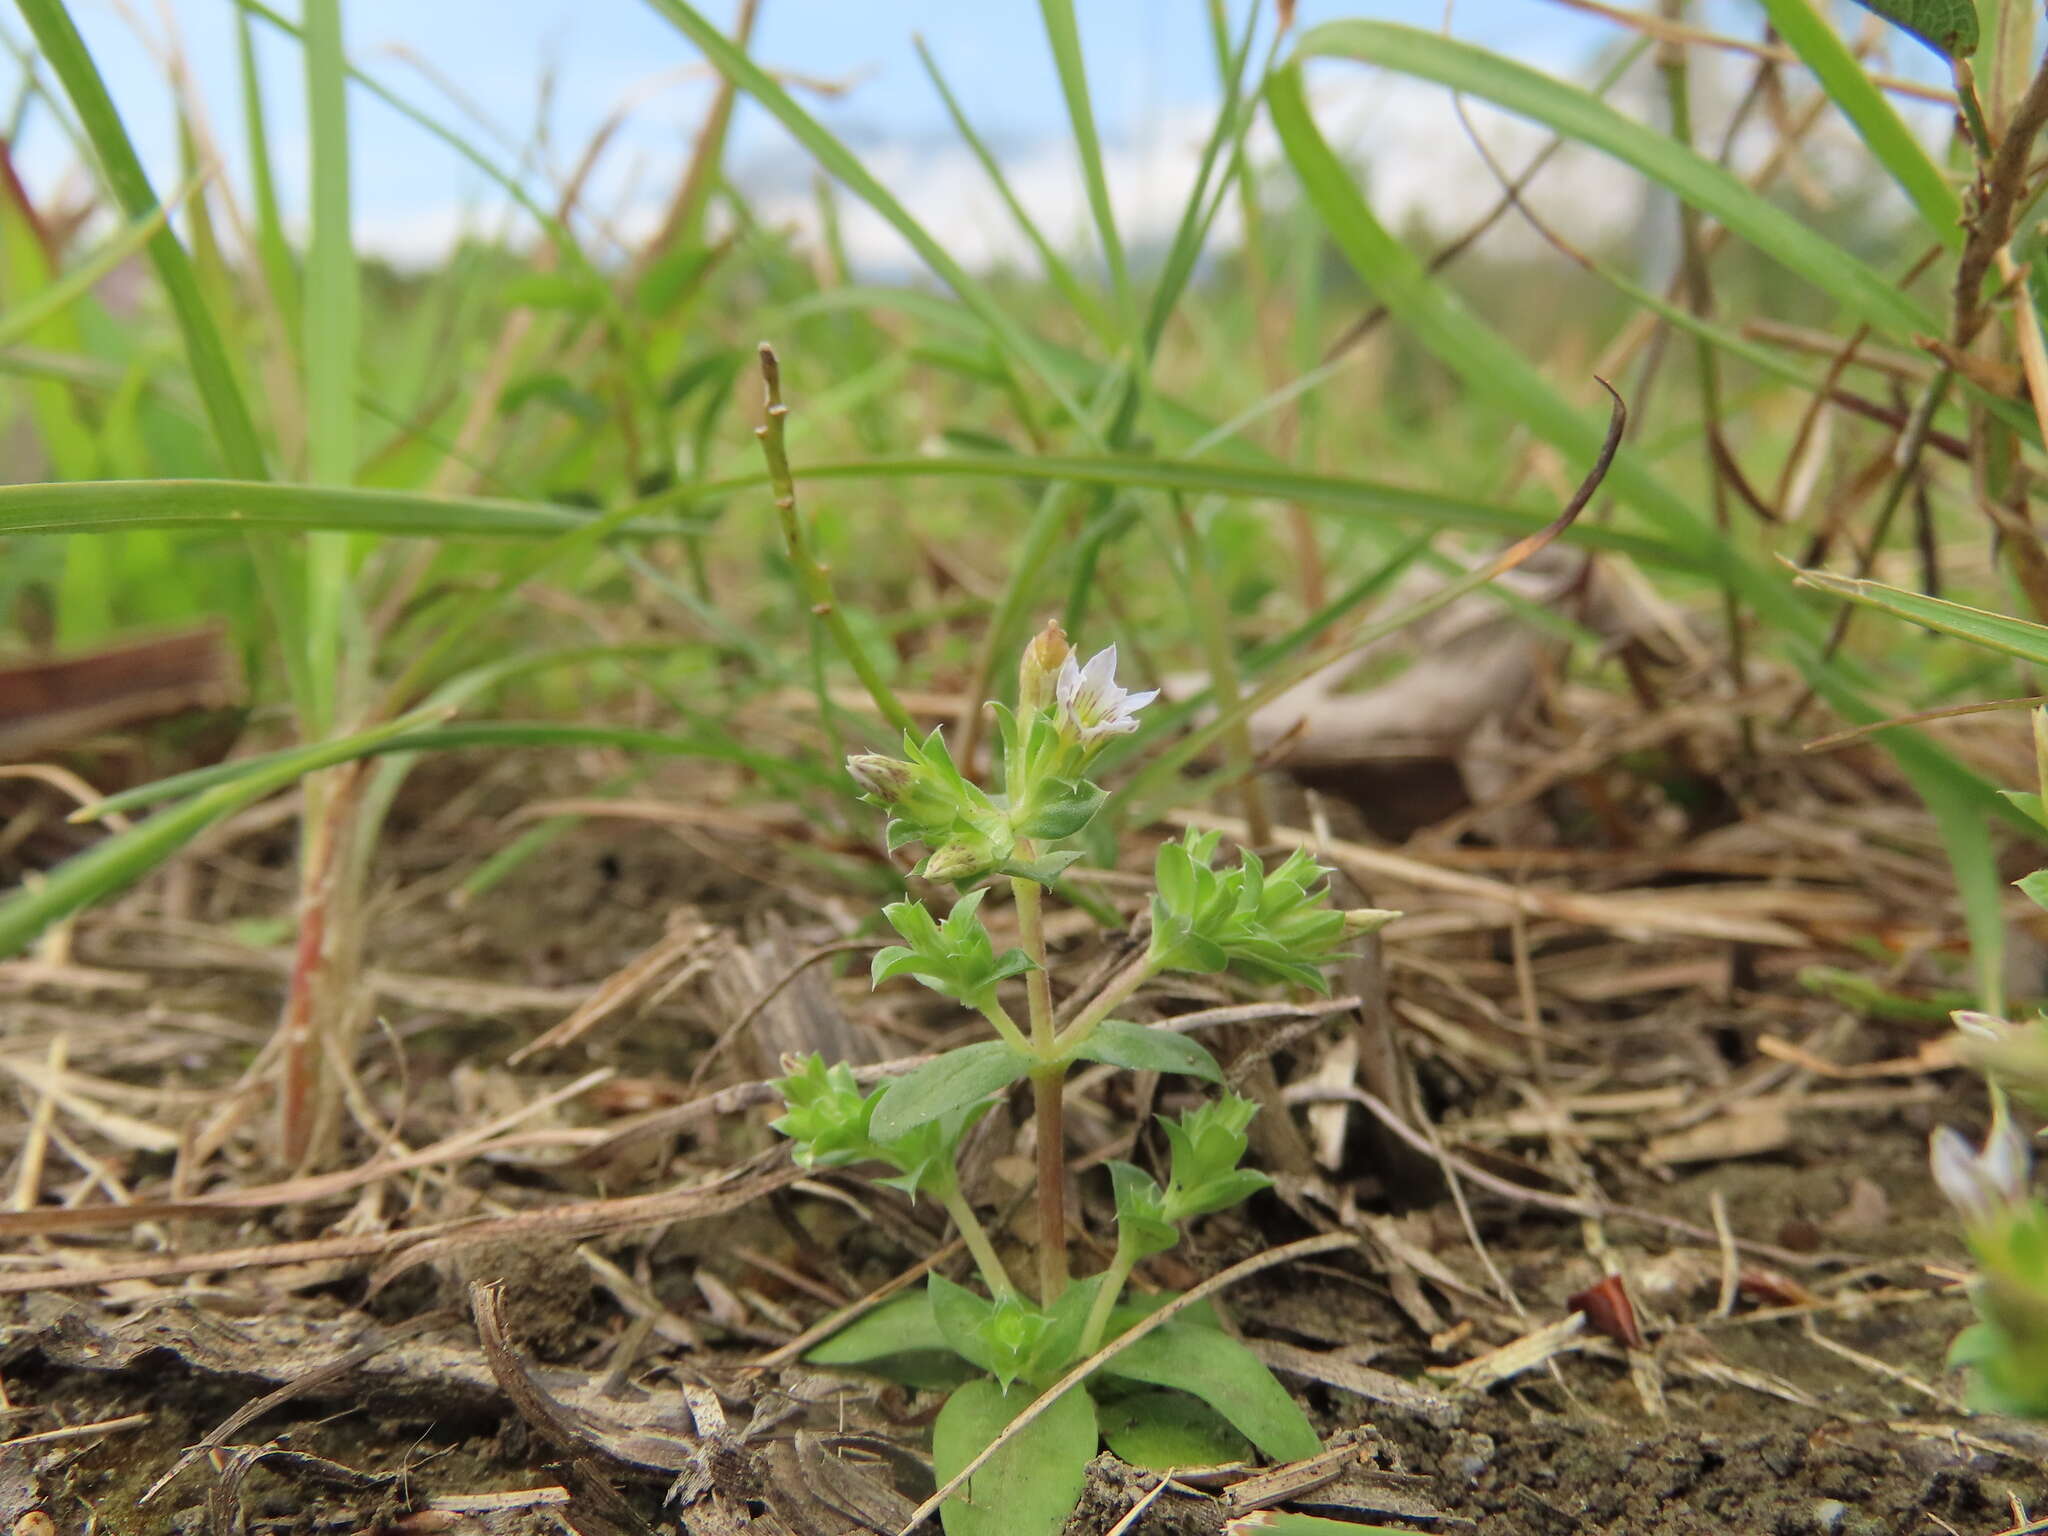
(1149, 61)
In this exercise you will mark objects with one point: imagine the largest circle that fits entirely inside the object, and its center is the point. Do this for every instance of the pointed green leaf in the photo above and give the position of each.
(1030, 1486)
(961, 1315)
(957, 1078)
(901, 1325)
(2028, 803)
(2036, 887)
(1991, 631)
(1144, 1049)
(1220, 1371)
(1162, 1431)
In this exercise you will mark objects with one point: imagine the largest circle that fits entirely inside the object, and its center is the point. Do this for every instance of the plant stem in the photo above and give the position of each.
(975, 1236)
(1115, 991)
(814, 578)
(1048, 1107)
(999, 1016)
(1113, 1280)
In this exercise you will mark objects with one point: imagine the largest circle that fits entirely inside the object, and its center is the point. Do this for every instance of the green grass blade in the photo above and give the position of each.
(1233, 122)
(1063, 33)
(1071, 289)
(495, 735)
(1992, 631)
(1866, 294)
(272, 248)
(1888, 139)
(127, 856)
(332, 321)
(1372, 501)
(227, 410)
(22, 320)
(843, 164)
(236, 505)
(1493, 370)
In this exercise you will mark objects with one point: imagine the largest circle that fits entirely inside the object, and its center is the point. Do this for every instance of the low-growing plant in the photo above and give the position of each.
(2004, 1221)
(1186, 1393)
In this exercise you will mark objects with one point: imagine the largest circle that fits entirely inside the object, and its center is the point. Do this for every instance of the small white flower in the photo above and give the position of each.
(1091, 705)
(1980, 1184)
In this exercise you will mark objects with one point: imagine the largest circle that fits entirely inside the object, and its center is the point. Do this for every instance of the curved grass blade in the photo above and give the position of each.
(227, 410)
(127, 856)
(1864, 293)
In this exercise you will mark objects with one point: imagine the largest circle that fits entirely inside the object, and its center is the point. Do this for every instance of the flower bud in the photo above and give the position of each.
(955, 861)
(1038, 672)
(885, 780)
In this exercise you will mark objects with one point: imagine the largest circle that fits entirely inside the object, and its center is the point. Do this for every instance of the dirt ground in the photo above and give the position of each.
(1699, 1115)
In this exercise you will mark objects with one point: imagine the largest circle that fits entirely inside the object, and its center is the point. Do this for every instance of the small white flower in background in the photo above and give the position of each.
(1980, 1184)
(1091, 705)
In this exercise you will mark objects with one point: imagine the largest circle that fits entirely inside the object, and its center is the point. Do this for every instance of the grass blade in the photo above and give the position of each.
(1056, 268)
(103, 506)
(127, 856)
(1063, 32)
(332, 321)
(844, 165)
(227, 410)
(1866, 294)
(1887, 138)
(1992, 631)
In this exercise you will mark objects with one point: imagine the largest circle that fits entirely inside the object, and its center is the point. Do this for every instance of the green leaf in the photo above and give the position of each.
(958, 1078)
(830, 152)
(1579, 115)
(576, 293)
(1980, 627)
(1030, 1486)
(2035, 886)
(2029, 804)
(1143, 1049)
(1142, 1226)
(1045, 869)
(1216, 1368)
(1161, 1431)
(1884, 134)
(1949, 27)
(962, 1316)
(899, 1340)
(899, 1326)
(1070, 809)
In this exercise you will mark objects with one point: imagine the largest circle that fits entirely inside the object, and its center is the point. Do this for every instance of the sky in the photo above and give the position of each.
(487, 65)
